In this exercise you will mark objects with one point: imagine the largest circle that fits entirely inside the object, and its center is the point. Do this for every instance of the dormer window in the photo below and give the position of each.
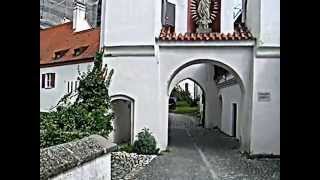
(79, 51)
(59, 54)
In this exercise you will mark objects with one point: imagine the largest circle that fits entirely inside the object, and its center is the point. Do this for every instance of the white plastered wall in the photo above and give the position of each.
(229, 94)
(65, 73)
(129, 22)
(137, 77)
(266, 115)
(181, 15)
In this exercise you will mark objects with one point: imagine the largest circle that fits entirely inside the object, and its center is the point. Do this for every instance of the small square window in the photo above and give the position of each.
(48, 80)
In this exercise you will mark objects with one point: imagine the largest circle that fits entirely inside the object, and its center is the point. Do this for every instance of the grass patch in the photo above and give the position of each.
(182, 104)
(184, 108)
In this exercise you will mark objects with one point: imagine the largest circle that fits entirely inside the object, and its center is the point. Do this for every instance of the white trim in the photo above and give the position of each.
(140, 50)
(271, 52)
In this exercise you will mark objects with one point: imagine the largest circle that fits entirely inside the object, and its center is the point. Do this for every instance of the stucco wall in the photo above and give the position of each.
(98, 169)
(230, 94)
(65, 73)
(124, 19)
(227, 16)
(266, 115)
(137, 77)
(181, 15)
(270, 23)
(263, 20)
(253, 17)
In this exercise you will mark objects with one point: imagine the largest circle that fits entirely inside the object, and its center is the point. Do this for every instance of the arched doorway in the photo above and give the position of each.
(123, 108)
(214, 105)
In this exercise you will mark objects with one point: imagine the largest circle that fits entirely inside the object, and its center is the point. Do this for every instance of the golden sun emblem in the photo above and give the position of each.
(194, 10)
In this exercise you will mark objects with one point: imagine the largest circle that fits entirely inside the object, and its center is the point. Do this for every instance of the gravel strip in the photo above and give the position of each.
(126, 165)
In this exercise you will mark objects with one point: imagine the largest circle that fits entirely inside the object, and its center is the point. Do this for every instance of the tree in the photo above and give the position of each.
(83, 112)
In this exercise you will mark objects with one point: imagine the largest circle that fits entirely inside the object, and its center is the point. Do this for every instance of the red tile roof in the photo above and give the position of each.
(62, 37)
(241, 33)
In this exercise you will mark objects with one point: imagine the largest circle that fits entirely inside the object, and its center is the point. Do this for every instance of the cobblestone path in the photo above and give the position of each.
(196, 153)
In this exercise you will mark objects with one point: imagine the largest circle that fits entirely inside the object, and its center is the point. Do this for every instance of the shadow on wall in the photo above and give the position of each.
(123, 110)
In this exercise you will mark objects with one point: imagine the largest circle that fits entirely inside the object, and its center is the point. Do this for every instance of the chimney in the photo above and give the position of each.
(79, 16)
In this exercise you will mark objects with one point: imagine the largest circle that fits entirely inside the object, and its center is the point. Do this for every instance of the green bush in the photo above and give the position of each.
(81, 113)
(146, 143)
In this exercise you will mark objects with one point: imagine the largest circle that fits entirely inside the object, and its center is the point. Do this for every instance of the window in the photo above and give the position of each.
(48, 80)
(72, 86)
(168, 14)
(79, 50)
(59, 54)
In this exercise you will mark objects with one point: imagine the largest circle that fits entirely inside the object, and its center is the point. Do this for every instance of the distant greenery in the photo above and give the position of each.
(83, 112)
(183, 96)
(184, 107)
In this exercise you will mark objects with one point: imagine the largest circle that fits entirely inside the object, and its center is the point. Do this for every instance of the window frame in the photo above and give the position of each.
(48, 80)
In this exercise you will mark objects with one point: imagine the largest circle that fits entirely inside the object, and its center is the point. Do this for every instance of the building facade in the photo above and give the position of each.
(231, 49)
(234, 57)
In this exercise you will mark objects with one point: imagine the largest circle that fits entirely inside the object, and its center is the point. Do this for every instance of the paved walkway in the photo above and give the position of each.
(202, 154)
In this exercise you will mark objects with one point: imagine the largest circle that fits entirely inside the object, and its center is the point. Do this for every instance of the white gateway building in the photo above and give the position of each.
(231, 49)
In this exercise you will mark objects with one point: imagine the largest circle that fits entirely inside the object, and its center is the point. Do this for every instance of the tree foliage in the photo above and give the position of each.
(182, 95)
(85, 111)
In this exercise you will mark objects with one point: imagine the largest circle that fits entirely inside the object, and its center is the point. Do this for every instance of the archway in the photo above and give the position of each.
(205, 61)
(123, 107)
(189, 110)
(200, 99)
(243, 122)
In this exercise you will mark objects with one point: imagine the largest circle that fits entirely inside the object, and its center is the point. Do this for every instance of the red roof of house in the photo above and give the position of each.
(63, 38)
(241, 33)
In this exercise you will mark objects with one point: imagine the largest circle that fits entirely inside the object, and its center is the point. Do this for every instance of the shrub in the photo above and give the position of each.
(83, 112)
(126, 147)
(146, 143)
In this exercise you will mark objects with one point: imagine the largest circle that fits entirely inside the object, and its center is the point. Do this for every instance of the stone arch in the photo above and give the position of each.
(203, 93)
(208, 61)
(192, 79)
(123, 107)
(241, 75)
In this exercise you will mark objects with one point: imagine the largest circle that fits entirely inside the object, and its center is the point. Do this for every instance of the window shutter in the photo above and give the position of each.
(43, 80)
(52, 80)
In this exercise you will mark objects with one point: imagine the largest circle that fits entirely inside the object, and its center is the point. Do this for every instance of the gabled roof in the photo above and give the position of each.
(241, 33)
(62, 38)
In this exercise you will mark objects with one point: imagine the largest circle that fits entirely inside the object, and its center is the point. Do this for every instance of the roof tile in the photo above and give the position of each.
(241, 33)
(62, 37)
